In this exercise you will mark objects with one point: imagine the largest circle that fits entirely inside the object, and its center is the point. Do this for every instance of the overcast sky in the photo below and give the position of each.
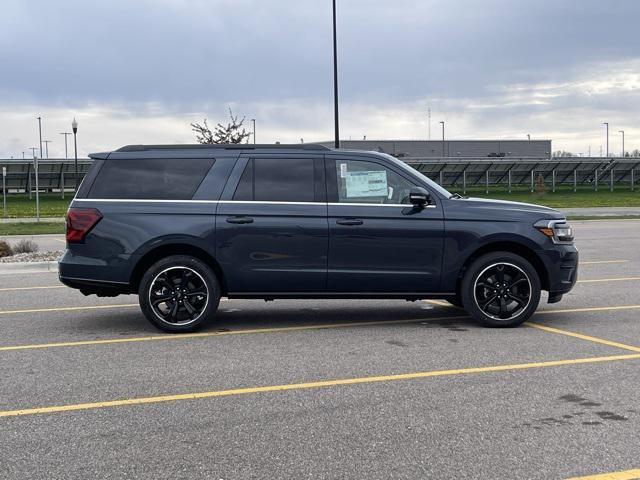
(139, 71)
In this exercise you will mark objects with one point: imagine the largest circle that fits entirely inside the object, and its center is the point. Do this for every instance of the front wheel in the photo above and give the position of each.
(500, 289)
(179, 293)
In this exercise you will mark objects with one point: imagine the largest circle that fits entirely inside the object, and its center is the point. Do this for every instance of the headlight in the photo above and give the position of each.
(559, 231)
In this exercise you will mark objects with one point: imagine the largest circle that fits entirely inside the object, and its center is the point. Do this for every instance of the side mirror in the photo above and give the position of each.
(419, 197)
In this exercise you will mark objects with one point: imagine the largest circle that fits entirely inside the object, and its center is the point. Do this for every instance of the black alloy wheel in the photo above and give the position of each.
(179, 293)
(500, 289)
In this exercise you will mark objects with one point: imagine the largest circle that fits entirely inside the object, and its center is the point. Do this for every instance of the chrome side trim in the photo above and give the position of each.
(139, 200)
(333, 204)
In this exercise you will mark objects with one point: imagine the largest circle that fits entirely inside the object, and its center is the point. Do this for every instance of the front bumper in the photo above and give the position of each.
(562, 270)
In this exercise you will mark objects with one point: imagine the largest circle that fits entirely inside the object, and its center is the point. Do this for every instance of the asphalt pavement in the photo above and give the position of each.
(326, 389)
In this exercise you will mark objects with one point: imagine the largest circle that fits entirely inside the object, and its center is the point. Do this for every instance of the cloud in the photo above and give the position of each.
(141, 71)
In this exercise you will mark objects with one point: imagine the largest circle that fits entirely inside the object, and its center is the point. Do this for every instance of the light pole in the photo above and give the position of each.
(74, 128)
(442, 122)
(335, 79)
(428, 123)
(607, 150)
(40, 132)
(622, 132)
(46, 147)
(253, 120)
(66, 134)
(35, 168)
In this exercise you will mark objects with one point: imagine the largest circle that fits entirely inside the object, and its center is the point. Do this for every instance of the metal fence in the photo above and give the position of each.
(594, 172)
(57, 175)
(54, 175)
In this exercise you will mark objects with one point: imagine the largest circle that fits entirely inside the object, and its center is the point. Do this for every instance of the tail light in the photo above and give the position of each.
(80, 221)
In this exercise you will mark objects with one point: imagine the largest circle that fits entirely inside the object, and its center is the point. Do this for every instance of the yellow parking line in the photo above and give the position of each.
(263, 330)
(583, 337)
(309, 385)
(599, 262)
(622, 475)
(230, 332)
(614, 279)
(45, 287)
(67, 309)
(588, 309)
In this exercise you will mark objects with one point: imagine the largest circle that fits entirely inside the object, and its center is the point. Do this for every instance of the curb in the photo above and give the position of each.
(32, 220)
(28, 267)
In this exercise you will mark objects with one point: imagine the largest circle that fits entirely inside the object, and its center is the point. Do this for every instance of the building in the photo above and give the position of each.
(453, 148)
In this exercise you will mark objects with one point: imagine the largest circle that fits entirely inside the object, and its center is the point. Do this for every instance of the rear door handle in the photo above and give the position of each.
(349, 221)
(239, 220)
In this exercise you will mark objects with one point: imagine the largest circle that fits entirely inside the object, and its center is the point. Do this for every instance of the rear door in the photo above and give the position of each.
(271, 225)
(378, 242)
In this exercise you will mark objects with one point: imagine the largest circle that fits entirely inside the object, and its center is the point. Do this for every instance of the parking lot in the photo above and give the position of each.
(326, 389)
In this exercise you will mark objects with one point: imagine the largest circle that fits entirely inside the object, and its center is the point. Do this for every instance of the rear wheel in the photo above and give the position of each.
(500, 289)
(179, 293)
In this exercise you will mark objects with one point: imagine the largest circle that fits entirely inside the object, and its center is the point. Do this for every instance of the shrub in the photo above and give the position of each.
(5, 249)
(25, 246)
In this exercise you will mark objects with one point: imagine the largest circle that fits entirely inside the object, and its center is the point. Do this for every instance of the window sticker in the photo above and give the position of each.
(343, 170)
(366, 184)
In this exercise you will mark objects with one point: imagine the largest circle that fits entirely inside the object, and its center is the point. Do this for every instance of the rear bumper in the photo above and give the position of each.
(94, 276)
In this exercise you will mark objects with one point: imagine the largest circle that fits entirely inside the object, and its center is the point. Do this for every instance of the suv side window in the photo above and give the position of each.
(276, 179)
(369, 182)
(170, 179)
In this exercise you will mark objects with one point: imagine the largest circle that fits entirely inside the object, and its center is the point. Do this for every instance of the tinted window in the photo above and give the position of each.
(244, 190)
(279, 180)
(369, 182)
(172, 179)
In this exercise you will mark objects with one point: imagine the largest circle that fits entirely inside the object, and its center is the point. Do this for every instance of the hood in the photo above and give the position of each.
(506, 208)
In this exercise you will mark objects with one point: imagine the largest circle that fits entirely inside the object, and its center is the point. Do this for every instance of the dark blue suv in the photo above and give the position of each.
(183, 225)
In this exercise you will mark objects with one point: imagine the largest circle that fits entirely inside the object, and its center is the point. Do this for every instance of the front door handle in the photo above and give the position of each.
(349, 221)
(239, 220)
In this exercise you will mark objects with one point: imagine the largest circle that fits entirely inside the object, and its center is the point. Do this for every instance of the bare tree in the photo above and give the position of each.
(232, 132)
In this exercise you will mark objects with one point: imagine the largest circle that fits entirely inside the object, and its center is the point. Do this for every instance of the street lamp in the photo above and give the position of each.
(622, 132)
(74, 128)
(46, 147)
(442, 122)
(66, 134)
(607, 150)
(335, 79)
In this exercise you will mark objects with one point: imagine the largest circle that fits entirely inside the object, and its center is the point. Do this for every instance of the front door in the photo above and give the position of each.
(378, 242)
(271, 226)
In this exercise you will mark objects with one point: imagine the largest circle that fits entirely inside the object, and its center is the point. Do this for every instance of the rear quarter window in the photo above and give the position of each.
(171, 179)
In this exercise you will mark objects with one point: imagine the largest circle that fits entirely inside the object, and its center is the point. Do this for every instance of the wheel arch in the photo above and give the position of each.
(175, 248)
(516, 248)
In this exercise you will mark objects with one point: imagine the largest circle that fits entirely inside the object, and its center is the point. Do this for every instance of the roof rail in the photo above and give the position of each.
(230, 146)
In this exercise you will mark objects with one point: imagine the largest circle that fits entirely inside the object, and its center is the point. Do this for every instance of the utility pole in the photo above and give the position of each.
(335, 79)
(607, 124)
(74, 129)
(46, 147)
(429, 122)
(66, 134)
(253, 120)
(442, 122)
(622, 132)
(40, 131)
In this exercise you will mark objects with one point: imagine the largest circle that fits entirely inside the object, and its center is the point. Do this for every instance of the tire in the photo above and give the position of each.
(179, 293)
(492, 301)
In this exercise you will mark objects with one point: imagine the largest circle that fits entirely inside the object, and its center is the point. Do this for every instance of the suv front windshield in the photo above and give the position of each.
(433, 185)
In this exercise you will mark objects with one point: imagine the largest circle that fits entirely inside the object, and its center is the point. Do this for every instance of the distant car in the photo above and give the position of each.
(499, 155)
(183, 226)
